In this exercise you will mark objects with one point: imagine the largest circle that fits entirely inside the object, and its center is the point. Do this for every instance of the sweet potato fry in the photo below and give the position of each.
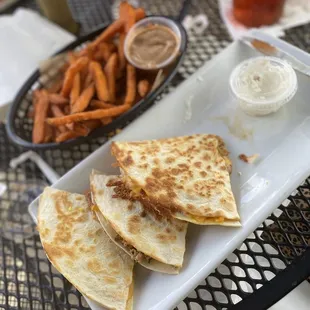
(88, 80)
(76, 88)
(38, 132)
(84, 116)
(87, 51)
(84, 99)
(106, 120)
(81, 129)
(123, 9)
(143, 87)
(116, 27)
(97, 104)
(131, 84)
(110, 70)
(72, 57)
(92, 124)
(48, 133)
(127, 14)
(105, 51)
(56, 112)
(100, 81)
(70, 74)
(140, 14)
(68, 135)
(121, 54)
(130, 18)
(57, 99)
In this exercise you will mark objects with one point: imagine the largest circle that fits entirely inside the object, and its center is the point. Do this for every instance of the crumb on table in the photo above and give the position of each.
(248, 159)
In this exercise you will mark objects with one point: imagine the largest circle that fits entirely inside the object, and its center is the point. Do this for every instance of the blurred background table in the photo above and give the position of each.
(27, 279)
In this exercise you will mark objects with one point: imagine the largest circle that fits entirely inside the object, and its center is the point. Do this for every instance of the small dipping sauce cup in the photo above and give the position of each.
(153, 43)
(263, 84)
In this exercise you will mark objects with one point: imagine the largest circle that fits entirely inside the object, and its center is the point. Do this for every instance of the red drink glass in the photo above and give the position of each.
(256, 13)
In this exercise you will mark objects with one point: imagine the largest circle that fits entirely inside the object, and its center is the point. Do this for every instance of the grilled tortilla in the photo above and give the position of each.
(79, 248)
(187, 177)
(154, 241)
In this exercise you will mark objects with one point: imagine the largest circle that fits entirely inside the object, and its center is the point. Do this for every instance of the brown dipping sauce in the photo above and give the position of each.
(152, 45)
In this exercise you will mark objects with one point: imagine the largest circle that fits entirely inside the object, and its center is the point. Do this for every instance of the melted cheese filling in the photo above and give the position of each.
(201, 219)
(204, 219)
(94, 208)
(136, 189)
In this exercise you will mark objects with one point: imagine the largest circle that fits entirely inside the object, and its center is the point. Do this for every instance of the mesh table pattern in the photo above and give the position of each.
(27, 279)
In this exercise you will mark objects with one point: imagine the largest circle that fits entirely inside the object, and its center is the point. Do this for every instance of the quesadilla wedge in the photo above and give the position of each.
(156, 242)
(78, 247)
(187, 177)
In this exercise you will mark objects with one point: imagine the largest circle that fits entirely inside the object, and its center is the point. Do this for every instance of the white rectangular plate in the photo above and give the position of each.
(281, 139)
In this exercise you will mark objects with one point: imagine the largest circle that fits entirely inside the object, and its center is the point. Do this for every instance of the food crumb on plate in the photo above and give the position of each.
(248, 159)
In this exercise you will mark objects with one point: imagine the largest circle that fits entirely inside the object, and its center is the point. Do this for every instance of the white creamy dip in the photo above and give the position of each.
(263, 84)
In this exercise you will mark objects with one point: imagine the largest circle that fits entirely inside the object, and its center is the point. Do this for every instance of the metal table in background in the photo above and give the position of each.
(272, 256)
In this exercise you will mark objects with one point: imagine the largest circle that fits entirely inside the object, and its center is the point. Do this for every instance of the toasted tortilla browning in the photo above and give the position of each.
(78, 247)
(187, 177)
(158, 237)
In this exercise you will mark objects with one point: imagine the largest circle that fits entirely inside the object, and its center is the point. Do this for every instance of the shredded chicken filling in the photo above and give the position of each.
(134, 253)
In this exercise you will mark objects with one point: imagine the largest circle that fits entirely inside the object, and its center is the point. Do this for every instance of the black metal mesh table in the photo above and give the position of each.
(27, 279)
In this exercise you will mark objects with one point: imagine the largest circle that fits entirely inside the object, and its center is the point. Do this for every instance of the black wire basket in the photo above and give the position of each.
(19, 125)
